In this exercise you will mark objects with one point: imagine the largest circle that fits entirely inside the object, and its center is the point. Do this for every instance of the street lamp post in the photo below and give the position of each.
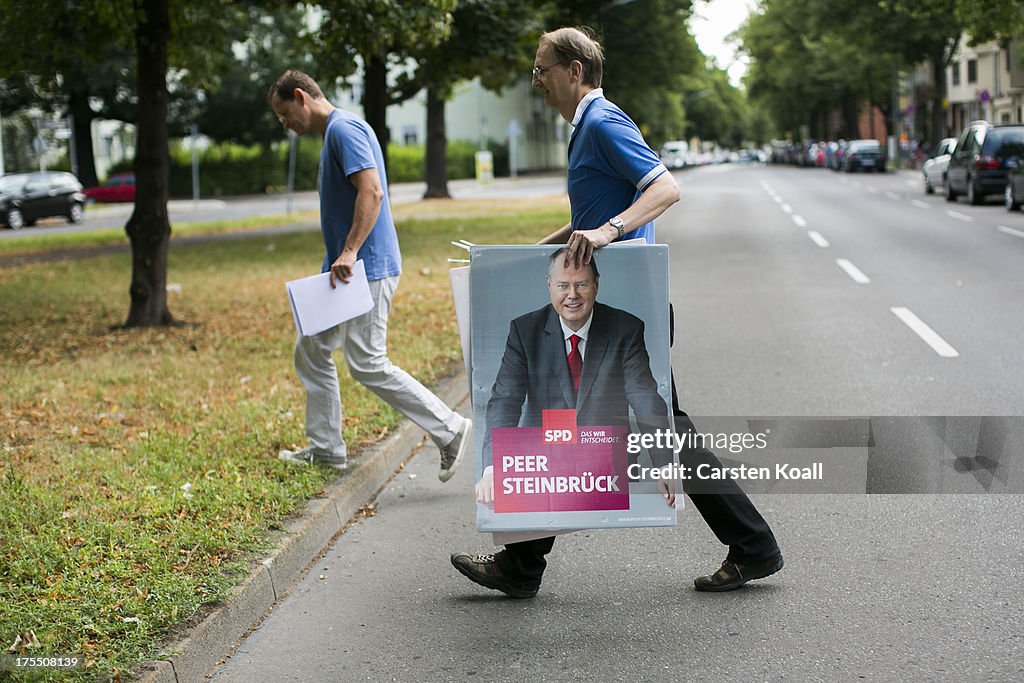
(293, 138)
(194, 133)
(2, 144)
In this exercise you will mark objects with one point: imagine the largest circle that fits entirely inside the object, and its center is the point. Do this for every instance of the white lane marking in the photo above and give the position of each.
(799, 220)
(1010, 231)
(766, 186)
(787, 208)
(938, 344)
(893, 195)
(853, 271)
(919, 204)
(777, 198)
(960, 216)
(872, 190)
(817, 238)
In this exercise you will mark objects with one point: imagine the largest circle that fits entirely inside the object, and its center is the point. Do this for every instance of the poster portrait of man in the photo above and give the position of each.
(568, 362)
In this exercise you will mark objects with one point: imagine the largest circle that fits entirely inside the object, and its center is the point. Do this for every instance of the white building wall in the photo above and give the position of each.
(991, 95)
(112, 141)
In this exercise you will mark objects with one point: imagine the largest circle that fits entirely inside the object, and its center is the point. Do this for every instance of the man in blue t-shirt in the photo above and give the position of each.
(355, 219)
(617, 187)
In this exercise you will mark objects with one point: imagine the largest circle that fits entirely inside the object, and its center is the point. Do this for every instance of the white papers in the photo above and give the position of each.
(316, 307)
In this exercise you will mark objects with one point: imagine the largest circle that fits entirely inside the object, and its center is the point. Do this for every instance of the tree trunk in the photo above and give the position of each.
(938, 118)
(149, 230)
(375, 100)
(850, 122)
(78, 107)
(437, 146)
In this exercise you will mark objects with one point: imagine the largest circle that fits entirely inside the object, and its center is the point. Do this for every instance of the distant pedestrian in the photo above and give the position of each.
(356, 222)
(617, 187)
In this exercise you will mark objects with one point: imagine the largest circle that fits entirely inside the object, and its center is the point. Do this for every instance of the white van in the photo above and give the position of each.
(674, 153)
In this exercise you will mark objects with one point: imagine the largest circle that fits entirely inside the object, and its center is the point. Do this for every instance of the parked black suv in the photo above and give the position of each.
(27, 197)
(978, 165)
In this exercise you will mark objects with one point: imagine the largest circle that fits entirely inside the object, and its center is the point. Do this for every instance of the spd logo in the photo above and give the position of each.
(559, 426)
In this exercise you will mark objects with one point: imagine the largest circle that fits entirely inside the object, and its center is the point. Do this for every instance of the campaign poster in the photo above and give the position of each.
(569, 367)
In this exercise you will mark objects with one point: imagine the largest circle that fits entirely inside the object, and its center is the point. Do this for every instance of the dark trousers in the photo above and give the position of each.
(723, 505)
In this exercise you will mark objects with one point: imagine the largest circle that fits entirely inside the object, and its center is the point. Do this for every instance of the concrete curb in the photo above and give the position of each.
(193, 655)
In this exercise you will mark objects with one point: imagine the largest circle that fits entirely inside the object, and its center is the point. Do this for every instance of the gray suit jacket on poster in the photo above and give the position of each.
(616, 376)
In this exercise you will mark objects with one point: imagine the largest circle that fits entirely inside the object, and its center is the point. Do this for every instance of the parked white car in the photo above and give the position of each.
(674, 153)
(934, 169)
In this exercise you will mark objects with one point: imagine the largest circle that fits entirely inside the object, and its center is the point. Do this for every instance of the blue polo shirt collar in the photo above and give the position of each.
(584, 103)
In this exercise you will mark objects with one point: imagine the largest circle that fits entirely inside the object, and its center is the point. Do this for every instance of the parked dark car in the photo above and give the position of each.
(120, 187)
(864, 155)
(1013, 196)
(27, 197)
(978, 165)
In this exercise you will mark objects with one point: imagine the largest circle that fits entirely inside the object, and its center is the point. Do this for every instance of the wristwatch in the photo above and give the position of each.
(618, 225)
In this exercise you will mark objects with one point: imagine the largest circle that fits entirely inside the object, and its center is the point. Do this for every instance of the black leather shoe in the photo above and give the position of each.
(732, 575)
(482, 569)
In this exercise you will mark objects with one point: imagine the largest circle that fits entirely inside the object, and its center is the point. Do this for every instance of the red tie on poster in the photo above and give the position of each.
(575, 362)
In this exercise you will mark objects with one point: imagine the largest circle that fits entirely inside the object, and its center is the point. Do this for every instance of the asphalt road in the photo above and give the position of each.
(877, 587)
(770, 323)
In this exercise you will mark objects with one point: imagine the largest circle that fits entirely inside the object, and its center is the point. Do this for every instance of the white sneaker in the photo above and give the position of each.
(451, 455)
(308, 456)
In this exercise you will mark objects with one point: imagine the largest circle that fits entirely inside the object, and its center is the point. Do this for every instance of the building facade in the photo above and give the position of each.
(985, 82)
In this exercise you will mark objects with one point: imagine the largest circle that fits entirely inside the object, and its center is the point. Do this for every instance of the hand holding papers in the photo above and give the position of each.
(317, 307)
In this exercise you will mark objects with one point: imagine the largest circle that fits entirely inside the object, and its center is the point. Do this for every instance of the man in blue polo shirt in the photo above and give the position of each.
(355, 219)
(617, 187)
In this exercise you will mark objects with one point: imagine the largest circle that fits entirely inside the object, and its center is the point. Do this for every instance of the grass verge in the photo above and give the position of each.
(137, 467)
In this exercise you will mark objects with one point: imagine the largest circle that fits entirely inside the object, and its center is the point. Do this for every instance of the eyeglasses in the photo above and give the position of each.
(582, 286)
(539, 71)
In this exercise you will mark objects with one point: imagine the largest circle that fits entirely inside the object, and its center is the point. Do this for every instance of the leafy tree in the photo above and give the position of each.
(234, 107)
(191, 35)
(819, 54)
(67, 62)
(385, 35)
(808, 61)
(715, 109)
(986, 20)
(490, 39)
(649, 52)
(919, 30)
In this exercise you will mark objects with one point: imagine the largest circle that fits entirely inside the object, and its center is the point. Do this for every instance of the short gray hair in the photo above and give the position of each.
(571, 43)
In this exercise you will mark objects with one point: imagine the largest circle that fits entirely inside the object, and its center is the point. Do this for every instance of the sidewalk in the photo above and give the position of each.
(194, 652)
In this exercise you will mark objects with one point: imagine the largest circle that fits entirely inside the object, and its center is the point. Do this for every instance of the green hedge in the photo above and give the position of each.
(228, 169)
(405, 163)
